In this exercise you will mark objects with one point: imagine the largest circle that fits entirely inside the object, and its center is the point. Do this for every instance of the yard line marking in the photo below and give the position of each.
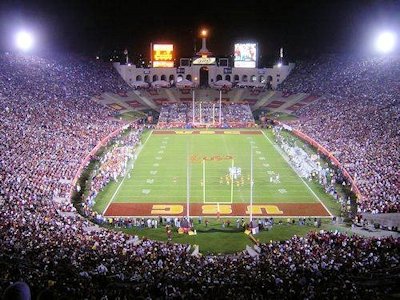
(122, 181)
(305, 183)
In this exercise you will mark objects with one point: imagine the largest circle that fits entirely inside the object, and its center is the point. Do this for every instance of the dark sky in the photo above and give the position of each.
(301, 27)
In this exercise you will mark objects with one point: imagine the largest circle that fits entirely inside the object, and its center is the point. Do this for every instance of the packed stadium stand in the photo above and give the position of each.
(357, 118)
(233, 115)
(49, 123)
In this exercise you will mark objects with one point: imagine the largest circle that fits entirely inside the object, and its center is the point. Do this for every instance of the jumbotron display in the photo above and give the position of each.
(245, 55)
(163, 55)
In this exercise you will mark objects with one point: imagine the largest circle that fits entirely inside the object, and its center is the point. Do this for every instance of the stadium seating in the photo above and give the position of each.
(234, 115)
(48, 124)
(357, 119)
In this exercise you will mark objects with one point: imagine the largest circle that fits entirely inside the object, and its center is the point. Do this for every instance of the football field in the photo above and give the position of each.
(210, 172)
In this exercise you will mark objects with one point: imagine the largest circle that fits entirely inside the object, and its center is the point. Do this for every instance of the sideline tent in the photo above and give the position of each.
(160, 83)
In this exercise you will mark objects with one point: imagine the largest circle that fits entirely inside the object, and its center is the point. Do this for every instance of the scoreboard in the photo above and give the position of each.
(163, 55)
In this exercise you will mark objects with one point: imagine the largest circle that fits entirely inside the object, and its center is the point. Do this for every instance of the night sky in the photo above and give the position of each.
(303, 28)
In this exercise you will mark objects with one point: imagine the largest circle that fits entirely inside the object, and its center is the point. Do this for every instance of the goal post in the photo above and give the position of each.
(205, 113)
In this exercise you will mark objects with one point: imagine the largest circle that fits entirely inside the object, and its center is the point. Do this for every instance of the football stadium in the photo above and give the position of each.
(243, 158)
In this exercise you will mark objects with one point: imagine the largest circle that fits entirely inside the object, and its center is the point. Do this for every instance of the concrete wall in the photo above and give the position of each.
(130, 73)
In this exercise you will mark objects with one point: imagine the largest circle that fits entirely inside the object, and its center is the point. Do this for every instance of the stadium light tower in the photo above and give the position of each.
(385, 42)
(24, 40)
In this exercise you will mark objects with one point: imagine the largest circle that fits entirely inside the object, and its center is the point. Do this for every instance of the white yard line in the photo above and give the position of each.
(119, 186)
(305, 183)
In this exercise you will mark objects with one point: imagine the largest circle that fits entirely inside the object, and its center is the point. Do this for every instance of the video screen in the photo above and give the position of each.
(245, 55)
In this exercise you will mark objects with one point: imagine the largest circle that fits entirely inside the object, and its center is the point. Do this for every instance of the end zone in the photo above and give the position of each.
(225, 210)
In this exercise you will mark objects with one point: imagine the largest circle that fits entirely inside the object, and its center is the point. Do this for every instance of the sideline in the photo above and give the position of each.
(305, 183)
(119, 186)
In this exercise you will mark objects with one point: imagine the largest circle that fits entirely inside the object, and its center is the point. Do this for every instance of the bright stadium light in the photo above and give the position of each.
(24, 40)
(385, 42)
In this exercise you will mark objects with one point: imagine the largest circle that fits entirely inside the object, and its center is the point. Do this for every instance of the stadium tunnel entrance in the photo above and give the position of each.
(204, 77)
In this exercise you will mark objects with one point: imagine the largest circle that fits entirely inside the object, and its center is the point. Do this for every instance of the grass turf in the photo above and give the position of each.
(214, 239)
(160, 172)
(168, 184)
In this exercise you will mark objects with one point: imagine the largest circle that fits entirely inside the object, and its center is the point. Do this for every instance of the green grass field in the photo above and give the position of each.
(165, 161)
(214, 239)
(159, 176)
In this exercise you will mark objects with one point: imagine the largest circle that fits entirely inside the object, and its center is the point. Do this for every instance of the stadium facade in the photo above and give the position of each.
(205, 75)
(204, 69)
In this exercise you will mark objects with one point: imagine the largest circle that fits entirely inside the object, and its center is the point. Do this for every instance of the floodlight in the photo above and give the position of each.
(204, 33)
(385, 42)
(279, 64)
(24, 40)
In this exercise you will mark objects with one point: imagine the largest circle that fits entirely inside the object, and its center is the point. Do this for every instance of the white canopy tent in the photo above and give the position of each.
(138, 84)
(184, 83)
(222, 83)
(160, 83)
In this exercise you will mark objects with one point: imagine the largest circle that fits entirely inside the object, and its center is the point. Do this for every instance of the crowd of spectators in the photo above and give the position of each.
(358, 119)
(173, 113)
(56, 77)
(347, 76)
(114, 164)
(48, 124)
(314, 167)
(181, 115)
